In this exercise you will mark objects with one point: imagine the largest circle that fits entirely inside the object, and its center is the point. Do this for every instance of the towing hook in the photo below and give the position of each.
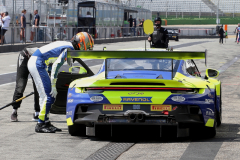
(141, 117)
(132, 117)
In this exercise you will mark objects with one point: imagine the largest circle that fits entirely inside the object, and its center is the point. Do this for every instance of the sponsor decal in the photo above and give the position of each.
(137, 99)
(136, 106)
(96, 98)
(70, 100)
(112, 107)
(209, 101)
(69, 95)
(209, 112)
(178, 98)
(136, 93)
(161, 107)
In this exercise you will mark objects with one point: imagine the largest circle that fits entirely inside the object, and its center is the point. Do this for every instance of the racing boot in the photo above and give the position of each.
(42, 128)
(14, 117)
(35, 118)
(52, 127)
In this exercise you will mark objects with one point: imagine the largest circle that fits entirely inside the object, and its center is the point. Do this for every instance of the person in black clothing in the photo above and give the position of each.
(21, 81)
(141, 26)
(221, 32)
(159, 38)
(236, 31)
(130, 20)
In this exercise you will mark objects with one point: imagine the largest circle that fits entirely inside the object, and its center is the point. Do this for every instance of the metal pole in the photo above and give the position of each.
(166, 8)
(233, 10)
(200, 11)
(40, 11)
(54, 20)
(67, 13)
(176, 10)
(23, 4)
(74, 12)
(217, 11)
(13, 14)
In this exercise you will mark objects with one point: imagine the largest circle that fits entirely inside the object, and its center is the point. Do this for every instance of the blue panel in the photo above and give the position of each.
(74, 99)
(200, 100)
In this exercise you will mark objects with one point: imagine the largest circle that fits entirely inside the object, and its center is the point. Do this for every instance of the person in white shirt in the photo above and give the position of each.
(5, 25)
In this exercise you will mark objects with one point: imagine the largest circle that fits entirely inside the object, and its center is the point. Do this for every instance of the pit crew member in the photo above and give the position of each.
(46, 86)
(21, 81)
(159, 38)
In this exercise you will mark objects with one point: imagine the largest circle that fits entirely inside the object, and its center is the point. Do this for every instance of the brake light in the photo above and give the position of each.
(165, 112)
(137, 88)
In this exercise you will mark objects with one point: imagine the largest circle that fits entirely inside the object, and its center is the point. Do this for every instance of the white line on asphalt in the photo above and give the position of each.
(7, 84)
(12, 83)
(7, 73)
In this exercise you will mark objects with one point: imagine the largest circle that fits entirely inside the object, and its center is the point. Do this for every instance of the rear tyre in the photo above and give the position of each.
(176, 39)
(77, 130)
(210, 132)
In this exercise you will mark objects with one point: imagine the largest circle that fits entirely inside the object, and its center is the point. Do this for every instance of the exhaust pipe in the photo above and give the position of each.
(141, 117)
(132, 117)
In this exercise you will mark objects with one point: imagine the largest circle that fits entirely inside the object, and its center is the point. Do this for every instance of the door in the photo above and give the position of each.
(64, 79)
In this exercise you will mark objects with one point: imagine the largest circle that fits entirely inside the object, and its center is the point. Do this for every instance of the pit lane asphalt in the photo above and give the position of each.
(19, 141)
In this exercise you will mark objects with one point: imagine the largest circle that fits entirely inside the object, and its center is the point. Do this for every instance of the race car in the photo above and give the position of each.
(155, 88)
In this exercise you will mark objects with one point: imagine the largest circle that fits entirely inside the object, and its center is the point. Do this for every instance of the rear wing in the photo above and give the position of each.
(177, 55)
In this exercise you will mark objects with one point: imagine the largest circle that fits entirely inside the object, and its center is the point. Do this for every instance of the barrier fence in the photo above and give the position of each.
(48, 34)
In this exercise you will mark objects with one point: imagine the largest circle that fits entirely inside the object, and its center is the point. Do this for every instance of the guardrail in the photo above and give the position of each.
(48, 34)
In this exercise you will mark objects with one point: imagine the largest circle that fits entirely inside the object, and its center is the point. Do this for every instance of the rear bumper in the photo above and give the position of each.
(179, 120)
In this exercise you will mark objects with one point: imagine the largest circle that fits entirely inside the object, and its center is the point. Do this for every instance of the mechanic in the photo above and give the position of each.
(46, 86)
(159, 38)
(221, 32)
(21, 81)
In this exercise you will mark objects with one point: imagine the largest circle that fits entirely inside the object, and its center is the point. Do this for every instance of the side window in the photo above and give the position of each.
(191, 68)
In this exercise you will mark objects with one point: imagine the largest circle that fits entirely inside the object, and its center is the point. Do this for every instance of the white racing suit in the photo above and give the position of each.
(37, 68)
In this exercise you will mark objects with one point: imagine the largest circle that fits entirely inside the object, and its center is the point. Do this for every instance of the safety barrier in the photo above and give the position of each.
(46, 34)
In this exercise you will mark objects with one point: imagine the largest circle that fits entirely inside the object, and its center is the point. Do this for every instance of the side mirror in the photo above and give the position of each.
(78, 70)
(212, 73)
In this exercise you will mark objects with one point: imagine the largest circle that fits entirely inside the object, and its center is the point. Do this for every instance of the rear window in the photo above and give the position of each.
(141, 64)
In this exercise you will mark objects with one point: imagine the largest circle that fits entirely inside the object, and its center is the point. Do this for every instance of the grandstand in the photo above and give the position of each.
(170, 9)
(193, 6)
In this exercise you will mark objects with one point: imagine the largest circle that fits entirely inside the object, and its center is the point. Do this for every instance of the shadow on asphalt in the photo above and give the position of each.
(225, 133)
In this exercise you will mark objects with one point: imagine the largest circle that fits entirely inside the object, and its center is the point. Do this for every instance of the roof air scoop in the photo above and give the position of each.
(118, 76)
(160, 77)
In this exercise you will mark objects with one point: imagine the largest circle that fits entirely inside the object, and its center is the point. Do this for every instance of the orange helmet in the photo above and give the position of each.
(83, 41)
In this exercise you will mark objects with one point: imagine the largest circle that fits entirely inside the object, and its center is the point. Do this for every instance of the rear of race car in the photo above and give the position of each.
(141, 92)
(165, 108)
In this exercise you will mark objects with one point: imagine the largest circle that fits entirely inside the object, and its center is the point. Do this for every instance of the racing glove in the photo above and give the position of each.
(53, 93)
